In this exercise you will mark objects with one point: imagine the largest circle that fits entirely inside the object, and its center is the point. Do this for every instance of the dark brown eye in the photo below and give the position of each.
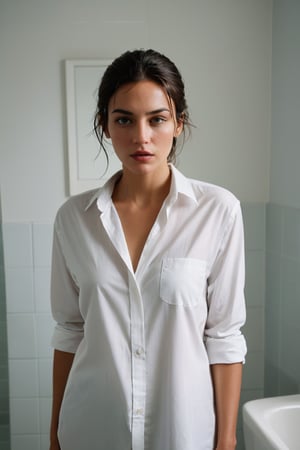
(123, 121)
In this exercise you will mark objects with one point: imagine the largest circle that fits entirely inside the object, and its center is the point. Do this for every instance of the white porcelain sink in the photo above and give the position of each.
(272, 423)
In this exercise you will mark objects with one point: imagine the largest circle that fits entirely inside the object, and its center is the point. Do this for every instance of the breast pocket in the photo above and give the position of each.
(182, 281)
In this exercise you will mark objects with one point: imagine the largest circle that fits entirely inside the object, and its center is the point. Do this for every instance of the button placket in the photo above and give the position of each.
(138, 364)
(138, 345)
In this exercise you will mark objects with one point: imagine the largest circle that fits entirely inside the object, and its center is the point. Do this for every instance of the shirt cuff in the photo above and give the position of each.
(229, 350)
(66, 340)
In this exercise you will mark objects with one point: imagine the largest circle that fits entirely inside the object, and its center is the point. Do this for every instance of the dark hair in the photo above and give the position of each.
(137, 65)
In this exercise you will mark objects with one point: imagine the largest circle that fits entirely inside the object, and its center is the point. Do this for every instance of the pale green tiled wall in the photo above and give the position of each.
(27, 259)
(282, 362)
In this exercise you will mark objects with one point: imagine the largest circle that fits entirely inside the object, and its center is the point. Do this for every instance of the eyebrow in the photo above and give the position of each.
(129, 113)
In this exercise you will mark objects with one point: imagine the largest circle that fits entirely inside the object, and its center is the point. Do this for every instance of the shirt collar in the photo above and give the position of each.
(103, 195)
(179, 185)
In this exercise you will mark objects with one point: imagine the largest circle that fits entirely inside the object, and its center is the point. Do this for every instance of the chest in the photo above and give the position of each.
(136, 224)
(101, 249)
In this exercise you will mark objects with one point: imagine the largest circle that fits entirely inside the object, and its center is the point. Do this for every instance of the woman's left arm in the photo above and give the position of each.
(227, 379)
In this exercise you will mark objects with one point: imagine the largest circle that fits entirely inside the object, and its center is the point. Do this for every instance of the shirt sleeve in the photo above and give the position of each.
(68, 331)
(224, 341)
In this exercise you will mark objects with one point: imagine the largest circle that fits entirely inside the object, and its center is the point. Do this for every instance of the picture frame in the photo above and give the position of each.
(87, 163)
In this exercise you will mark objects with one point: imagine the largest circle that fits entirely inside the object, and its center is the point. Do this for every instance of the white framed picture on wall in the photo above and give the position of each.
(87, 163)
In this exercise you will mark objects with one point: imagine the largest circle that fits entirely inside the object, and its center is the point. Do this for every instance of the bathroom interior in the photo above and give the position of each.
(241, 64)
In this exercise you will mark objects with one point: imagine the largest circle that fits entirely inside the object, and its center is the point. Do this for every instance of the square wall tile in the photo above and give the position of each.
(255, 278)
(45, 376)
(273, 324)
(290, 313)
(240, 439)
(272, 375)
(23, 378)
(254, 329)
(17, 241)
(44, 326)
(273, 282)
(24, 416)
(25, 442)
(291, 234)
(254, 215)
(253, 371)
(248, 395)
(274, 228)
(42, 244)
(42, 277)
(45, 442)
(45, 414)
(290, 294)
(19, 289)
(21, 336)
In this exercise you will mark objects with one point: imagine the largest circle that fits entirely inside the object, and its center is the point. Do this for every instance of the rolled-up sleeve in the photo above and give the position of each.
(68, 331)
(224, 341)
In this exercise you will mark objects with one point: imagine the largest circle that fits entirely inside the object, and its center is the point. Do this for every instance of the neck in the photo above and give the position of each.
(142, 190)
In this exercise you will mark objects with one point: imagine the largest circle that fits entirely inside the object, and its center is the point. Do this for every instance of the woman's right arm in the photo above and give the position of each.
(62, 363)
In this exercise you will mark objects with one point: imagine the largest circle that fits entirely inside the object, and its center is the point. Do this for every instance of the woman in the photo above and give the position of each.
(147, 285)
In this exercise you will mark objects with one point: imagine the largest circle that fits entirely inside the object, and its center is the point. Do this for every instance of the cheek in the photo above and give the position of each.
(167, 134)
(119, 138)
(111, 131)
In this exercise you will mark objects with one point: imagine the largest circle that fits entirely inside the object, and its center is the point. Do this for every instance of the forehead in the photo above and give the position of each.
(143, 94)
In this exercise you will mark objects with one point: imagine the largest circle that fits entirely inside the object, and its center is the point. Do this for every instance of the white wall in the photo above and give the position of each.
(223, 49)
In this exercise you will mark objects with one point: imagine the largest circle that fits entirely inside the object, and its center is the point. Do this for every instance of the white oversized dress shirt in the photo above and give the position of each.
(144, 340)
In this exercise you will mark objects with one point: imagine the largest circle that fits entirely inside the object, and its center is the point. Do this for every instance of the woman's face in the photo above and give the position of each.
(141, 125)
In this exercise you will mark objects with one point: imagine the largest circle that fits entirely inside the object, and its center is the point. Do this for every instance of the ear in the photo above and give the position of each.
(178, 128)
(101, 124)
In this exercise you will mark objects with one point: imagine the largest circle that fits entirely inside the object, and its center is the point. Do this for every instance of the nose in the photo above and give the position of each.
(141, 134)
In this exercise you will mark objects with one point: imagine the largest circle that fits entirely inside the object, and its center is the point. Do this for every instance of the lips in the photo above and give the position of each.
(141, 153)
(142, 156)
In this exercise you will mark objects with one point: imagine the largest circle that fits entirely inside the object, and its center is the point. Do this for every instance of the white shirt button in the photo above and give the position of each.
(139, 352)
(139, 412)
